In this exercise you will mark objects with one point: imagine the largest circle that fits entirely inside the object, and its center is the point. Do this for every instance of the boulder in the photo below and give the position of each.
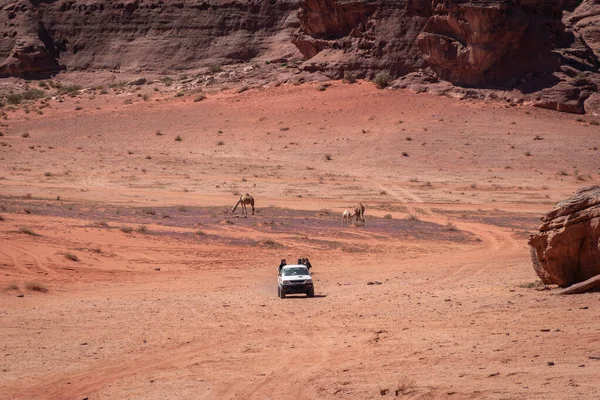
(137, 82)
(566, 248)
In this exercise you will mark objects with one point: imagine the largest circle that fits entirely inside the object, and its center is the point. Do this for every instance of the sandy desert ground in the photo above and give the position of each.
(120, 209)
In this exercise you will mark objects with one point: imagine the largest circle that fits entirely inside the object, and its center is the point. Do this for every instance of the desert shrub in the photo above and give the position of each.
(349, 77)
(36, 287)
(167, 81)
(328, 157)
(142, 229)
(387, 216)
(72, 257)
(78, 108)
(27, 230)
(25, 135)
(148, 211)
(382, 80)
(200, 233)
(126, 229)
(528, 153)
(215, 68)
(412, 217)
(270, 243)
(12, 286)
(158, 133)
(178, 138)
(33, 94)
(14, 99)
(451, 227)
(69, 89)
(199, 97)
(180, 94)
(220, 143)
(242, 89)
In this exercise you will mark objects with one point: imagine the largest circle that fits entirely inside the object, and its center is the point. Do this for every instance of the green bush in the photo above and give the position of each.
(382, 79)
(349, 77)
(14, 98)
(33, 94)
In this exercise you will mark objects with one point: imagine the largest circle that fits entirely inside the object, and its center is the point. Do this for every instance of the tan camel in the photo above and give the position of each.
(244, 200)
(359, 212)
(346, 218)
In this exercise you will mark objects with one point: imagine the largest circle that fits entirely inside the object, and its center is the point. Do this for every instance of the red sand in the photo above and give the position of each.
(453, 317)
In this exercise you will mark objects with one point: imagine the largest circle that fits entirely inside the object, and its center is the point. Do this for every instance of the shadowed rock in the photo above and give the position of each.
(566, 248)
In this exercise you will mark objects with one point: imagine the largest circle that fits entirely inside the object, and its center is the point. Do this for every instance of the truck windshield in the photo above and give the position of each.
(295, 271)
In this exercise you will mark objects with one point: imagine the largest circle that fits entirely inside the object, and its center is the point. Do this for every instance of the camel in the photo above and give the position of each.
(359, 212)
(245, 199)
(346, 218)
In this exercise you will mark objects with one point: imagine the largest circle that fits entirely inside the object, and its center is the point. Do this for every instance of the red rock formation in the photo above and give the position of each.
(142, 34)
(566, 249)
(539, 48)
(363, 36)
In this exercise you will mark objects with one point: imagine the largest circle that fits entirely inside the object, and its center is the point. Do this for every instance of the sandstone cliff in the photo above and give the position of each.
(547, 50)
(38, 36)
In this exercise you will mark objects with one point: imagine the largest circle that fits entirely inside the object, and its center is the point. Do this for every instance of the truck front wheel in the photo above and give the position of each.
(280, 292)
(311, 292)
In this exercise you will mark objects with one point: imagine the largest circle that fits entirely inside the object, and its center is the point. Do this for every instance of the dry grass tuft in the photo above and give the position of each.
(412, 217)
(27, 230)
(36, 287)
(270, 243)
(72, 257)
(451, 227)
(12, 286)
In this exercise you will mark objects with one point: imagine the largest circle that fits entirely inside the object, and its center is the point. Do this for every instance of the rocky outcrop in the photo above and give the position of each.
(142, 34)
(539, 48)
(566, 248)
(364, 36)
(501, 41)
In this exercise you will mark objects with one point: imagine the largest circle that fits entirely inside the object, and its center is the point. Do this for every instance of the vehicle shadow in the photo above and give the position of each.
(301, 296)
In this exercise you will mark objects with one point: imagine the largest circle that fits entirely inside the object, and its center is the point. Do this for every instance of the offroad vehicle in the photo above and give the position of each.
(295, 279)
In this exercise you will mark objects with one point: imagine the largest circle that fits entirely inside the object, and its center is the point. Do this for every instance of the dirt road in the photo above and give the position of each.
(156, 291)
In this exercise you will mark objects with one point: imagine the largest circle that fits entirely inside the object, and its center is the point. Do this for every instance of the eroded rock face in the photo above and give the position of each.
(142, 34)
(567, 245)
(363, 36)
(485, 42)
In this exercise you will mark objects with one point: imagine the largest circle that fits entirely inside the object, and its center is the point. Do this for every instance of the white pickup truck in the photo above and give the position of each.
(295, 279)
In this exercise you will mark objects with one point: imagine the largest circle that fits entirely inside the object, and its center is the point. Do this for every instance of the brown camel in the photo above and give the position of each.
(245, 199)
(359, 212)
